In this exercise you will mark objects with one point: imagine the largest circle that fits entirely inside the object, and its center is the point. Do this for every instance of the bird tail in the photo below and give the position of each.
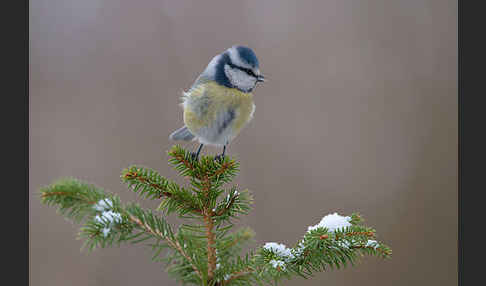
(182, 134)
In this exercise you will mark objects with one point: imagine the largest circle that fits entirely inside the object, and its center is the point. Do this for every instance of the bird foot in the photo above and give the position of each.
(219, 158)
(194, 156)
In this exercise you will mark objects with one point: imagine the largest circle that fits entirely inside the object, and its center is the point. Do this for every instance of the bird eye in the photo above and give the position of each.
(247, 71)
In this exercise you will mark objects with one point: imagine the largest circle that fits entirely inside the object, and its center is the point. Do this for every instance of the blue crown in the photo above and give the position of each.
(247, 55)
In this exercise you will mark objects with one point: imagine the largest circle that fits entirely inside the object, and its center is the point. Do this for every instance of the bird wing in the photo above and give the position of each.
(182, 133)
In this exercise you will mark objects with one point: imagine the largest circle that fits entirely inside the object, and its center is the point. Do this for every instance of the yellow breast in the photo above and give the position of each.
(204, 104)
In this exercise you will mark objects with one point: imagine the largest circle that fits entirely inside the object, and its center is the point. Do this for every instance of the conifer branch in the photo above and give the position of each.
(207, 253)
(227, 207)
(210, 246)
(73, 198)
(183, 162)
(225, 166)
(172, 243)
(154, 190)
(218, 173)
(149, 182)
(208, 220)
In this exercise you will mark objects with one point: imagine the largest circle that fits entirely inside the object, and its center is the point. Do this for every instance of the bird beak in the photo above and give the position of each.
(260, 78)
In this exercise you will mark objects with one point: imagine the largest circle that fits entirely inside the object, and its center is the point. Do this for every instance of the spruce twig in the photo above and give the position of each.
(173, 244)
(205, 251)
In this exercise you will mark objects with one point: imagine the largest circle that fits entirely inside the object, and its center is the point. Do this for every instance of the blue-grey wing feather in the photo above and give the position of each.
(182, 134)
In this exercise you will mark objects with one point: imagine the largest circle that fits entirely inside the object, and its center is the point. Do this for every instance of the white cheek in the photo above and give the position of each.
(239, 78)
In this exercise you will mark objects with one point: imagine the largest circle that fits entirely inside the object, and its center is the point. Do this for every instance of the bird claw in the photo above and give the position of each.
(219, 158)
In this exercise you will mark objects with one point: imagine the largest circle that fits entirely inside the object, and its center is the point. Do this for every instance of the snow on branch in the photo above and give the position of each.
(204, 250)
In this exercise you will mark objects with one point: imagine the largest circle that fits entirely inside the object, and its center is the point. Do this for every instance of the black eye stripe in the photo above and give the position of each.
(248, 71)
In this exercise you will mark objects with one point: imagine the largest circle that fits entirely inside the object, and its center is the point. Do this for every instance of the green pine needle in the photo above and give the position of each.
(204, 250)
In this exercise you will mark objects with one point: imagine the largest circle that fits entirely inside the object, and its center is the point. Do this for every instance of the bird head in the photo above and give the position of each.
(237, 67)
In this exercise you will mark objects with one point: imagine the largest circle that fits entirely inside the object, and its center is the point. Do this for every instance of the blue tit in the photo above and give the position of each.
(220, 102)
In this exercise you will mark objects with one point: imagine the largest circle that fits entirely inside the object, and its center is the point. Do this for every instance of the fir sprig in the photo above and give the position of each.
(149, 184)
(73, 198)
(205, 251)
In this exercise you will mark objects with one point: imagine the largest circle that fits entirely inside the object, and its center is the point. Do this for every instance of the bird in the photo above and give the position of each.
(220, 101)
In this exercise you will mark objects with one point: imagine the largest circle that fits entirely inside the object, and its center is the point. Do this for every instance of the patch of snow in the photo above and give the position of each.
(332, 222)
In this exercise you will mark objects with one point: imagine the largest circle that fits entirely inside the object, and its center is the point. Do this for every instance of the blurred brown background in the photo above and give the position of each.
(359, 114)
